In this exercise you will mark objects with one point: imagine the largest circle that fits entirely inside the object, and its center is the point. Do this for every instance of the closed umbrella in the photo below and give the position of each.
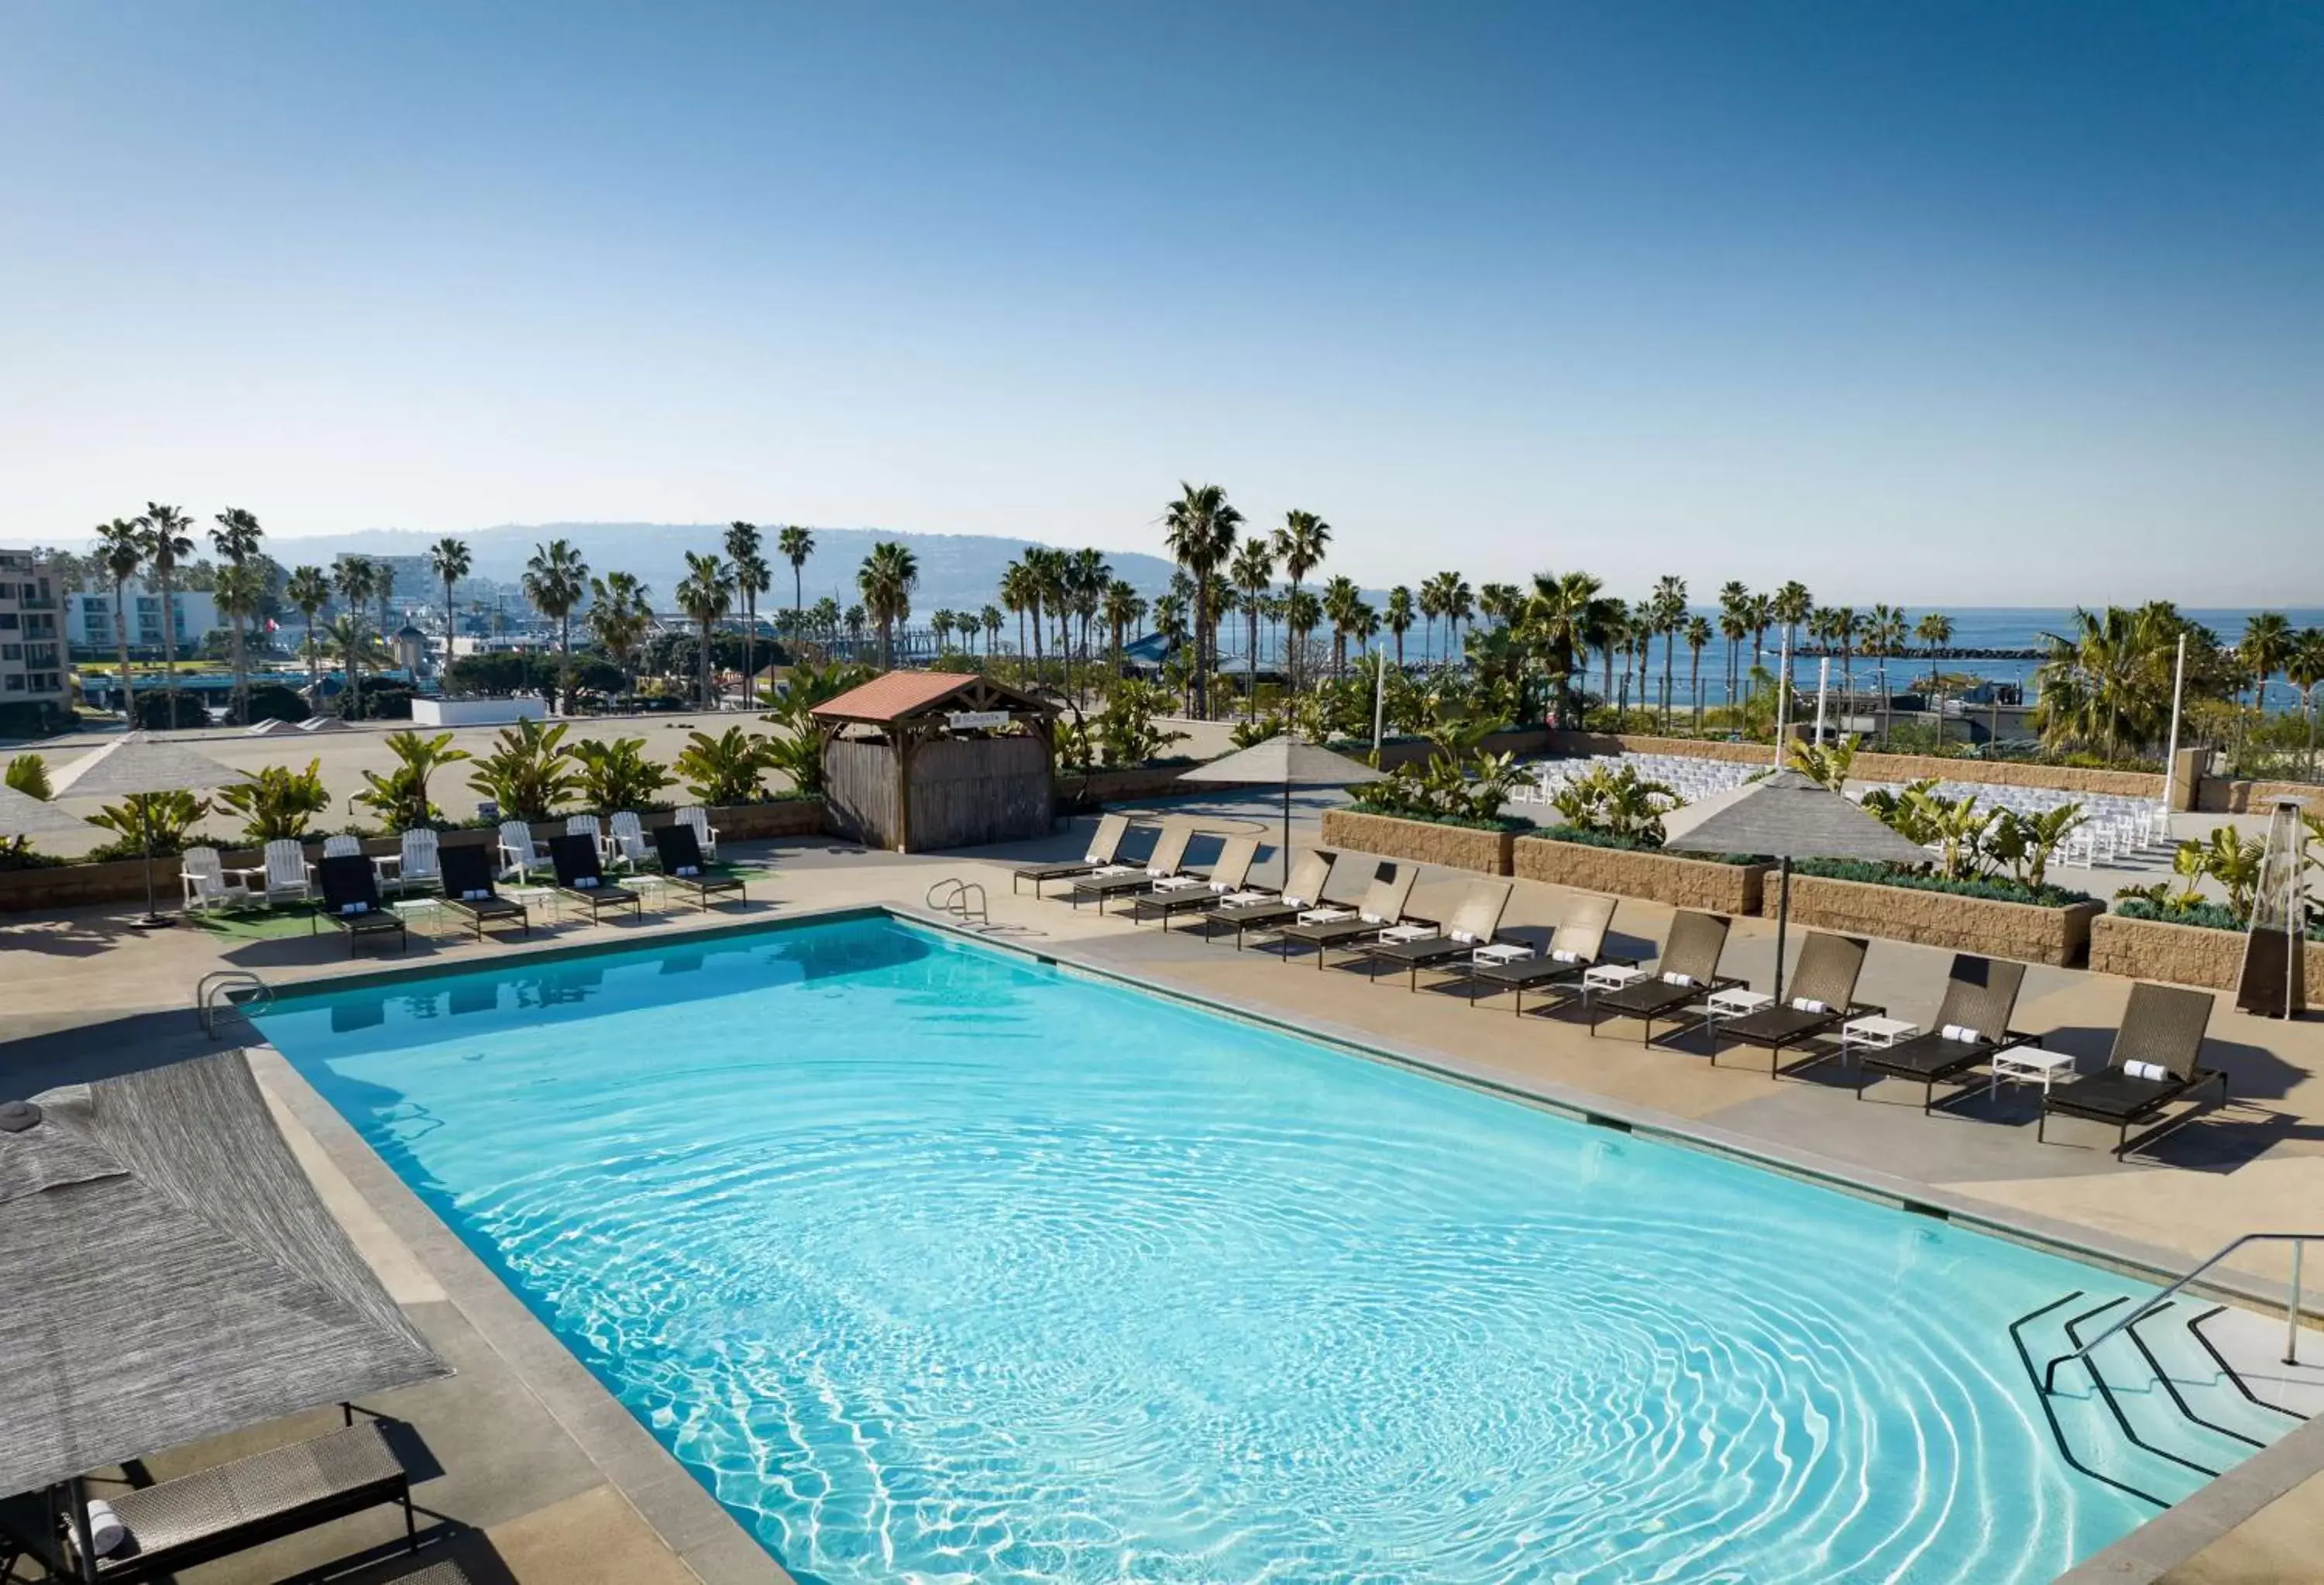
(1786, 817)
(1286, 762)
(140, 762)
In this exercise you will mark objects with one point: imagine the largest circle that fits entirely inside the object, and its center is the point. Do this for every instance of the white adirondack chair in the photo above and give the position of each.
(706, 839)
(418, 865)
(203, 874)
(286, 877)
(342, 846)
(519, 852)
(626, 843)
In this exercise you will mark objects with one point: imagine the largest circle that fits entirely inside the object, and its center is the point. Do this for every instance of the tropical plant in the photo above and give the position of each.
(886, 581)
(1955, 828)
(795, 544)
(1826, 765)
(616, 773)
(555, 579)
(797, 750)
(2233, 860)
(2107, 683)
(121, 550)
(356, 580)
(1399, 618)
(619, 619)
(2303, 668)
(29, 774)
(275, 801)
(449, 559)
(2027, 842)
(725, 768)
(1125, 729)
(1252, 572)
(530, 771)
(2264, 646)
(1697, 633)
(165, 541)
(1301, 544)
(1616, 801)
(1199, 529)
(401, 797)
(309, 590)
(149, 824)
(238, 597)
(751, 579)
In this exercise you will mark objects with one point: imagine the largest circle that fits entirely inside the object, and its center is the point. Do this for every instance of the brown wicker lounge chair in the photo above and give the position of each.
(1169, 859)
(1105, 847)
(1476, 920)
(1382, 906)
(1579, 942)
(1686, 972)
(1981, 995)
(2162, 1029)
(1319, 875)
(1819, 998)
(1188, 895)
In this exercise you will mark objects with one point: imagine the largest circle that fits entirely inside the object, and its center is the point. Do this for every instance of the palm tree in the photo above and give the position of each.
(309, 590)
(2303, 668)
(1698, 639)
(705, 594)
(2264, 647)
(1763, 617)
(1400, 619)
(555, 579)
(236, 538)
(2109, 679)
(1556, 624)
(1300, 544)
(620, 614)
(1459, 603)
(1734, 626)
(165, 541)
(1018, 593)
(1301, 615)
(1604, 624)
(1883, 636)
(1432, 606)
(1252, 572)
(853, 623)
(795, 544)
(1199, 528)
(1343, 603)
(1792, 606)
(240, 594)
(449, 559)
(121, 548)
(1935, 631)
(751, 577)
(1668, 613)
(886, 581)
(356, 648)
(992, 618)
(354, 578)
(1123, 606)
(382, 587)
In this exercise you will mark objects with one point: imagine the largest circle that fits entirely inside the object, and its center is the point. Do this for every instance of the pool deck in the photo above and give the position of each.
(546, 1480)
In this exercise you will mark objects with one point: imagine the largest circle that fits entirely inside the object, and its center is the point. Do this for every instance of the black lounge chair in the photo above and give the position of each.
(680, 853)
(1382, 906)
(1578, 943)
(468, 890)
(350, 888)
(1686, 973)
(1317, 876)
(1168, 859)
(1821, 997)
(2162, 1029)
(1167, 900)
(579, 879)
(1475, 921)
(1980, 995)
(1104, 848)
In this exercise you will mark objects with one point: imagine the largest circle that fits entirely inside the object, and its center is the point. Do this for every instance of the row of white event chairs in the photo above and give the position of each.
(1688, 778)
(622, 842)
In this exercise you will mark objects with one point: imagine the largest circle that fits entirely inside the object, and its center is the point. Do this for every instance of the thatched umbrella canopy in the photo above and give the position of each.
(23, 814)
(1786, 817)
(1286, 762)
(140, 762)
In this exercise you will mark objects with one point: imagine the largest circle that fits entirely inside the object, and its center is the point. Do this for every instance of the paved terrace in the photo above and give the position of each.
(549, 1480)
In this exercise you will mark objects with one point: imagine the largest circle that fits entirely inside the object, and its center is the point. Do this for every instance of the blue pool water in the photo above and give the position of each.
(936, 1265)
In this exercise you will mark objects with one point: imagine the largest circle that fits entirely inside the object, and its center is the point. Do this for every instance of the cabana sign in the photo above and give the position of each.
(976, 720)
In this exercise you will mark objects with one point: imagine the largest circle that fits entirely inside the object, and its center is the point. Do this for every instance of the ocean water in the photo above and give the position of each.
(934, 1265)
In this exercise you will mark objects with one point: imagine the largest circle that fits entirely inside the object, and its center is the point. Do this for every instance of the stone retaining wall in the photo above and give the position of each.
(1456, 846)
(2020, 931)
(2183, 954)
(1872, 767)
(1683, 883)
(2214, 796)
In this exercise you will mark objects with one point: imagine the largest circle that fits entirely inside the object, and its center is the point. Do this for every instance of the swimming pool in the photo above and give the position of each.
(937, 1264)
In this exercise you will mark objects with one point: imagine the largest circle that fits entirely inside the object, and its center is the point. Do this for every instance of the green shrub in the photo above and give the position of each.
(1584, 837)
(275, 801)
(270, 701)
(29, 774)
(1992, 888)
(617, 775)
(149, 823)
(725, 768)
(153, 710)
(529, 773)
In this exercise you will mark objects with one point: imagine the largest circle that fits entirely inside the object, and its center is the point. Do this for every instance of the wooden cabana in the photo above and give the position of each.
(920, 759)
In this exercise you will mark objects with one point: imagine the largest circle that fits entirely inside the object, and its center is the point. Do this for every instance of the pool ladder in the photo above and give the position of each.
(218, 989)
(963, 900)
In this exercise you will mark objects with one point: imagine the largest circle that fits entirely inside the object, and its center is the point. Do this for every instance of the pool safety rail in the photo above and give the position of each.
(230, 989)
(2299, 1242)
(963, 900)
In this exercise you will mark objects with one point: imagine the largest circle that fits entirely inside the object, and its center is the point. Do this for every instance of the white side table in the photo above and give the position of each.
(1610, 977)
(653, 890)
(535, 898)
(2029, 1065)
(412, 909)
(1507, 952)
(1859, 1034)
(1737, 1002)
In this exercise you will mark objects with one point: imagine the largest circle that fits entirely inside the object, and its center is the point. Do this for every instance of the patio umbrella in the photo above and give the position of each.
(140, 762)
(171, 1276)
(23, 814)
(1786, 817)
(1286, 761)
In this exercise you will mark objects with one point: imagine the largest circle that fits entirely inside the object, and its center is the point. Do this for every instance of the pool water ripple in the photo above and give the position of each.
(935, 1265)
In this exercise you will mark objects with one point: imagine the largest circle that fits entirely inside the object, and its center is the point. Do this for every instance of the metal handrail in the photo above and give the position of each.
(2299, 1242)
(956, 901)
(221, 983)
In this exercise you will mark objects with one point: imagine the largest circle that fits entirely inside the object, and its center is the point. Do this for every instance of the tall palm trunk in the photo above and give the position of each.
(121, 632)
(169, 649)
(565, 663)
(1250, 682)
(314, 671)
(1694, 688)
(1669, 642)
(241, 690)
(706, 663)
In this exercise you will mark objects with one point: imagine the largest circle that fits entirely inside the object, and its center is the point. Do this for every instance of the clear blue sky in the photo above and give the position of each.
(1974, 303)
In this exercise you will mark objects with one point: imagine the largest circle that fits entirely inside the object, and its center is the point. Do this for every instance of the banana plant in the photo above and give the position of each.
(2027, 842)
(725, 768)
(615, 774)
(401, 797)
(1826, 765)
(275, 801)
(2234, 860)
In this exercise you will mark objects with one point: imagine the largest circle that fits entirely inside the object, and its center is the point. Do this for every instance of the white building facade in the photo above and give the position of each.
(90, 629)
(34, 692)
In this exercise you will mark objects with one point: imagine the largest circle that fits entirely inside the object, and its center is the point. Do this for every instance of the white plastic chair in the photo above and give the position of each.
(203, 874)
(626, 843)
(286, 878)
(518, 851)
(419, 865)
(342, 846)
(706, 839)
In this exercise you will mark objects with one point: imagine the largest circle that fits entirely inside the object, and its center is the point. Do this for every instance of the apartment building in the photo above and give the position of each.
(34, 694)
(89, 626)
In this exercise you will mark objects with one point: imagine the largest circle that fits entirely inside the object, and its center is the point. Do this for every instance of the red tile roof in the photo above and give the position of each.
(893, 694)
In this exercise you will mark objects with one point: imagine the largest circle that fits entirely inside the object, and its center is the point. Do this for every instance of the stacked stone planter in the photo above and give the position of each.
(1663, 878)
(1458, 847)
(2182, 954)
(2020, 931)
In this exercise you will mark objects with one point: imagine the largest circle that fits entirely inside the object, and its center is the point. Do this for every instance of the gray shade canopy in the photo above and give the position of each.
(171, 1276)
(1284, 762)
(140, 762)
(22, 815)
(1786, 817)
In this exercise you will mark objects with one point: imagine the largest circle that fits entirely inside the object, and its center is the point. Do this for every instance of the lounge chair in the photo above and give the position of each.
(682, 867)
(215, 1512)
(1578, 943)
(1319, 875)
(1187, 895)
(2161, 1034)
(340, 845)
(1169, 860)
(519, 850)
(283, 874)
(468, 890)
(1686, 973)
(1327, 927)
(589, 826)
(1972, 1025)
(351, 901)
(1475, 921)
(1104, 848)
(626, 847)
(580, 880)
(1820, 996)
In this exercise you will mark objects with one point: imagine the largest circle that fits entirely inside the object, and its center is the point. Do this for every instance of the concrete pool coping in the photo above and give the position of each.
(710, 1541)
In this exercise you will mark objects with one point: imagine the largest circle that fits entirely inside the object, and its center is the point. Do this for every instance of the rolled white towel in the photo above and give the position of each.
(1673, 978)
(475, 894)
(1809, 1004)
(585, 882)
(689, 871)
(2146, 1070)
(1963, 1033)
(1559, 954)
(1465, 937)
(347, 910)
(105, 1530)
(1325, 916)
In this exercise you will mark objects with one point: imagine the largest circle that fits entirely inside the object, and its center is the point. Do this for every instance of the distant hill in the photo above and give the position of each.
(956, 570)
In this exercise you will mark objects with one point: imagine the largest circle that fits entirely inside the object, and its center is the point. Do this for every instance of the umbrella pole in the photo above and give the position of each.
(1783, 920)
(152, 920)
(1287, 834)
(84, 1543)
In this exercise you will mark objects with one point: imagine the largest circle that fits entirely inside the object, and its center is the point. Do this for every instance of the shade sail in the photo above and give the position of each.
(1786, 817)
(171, 1276)
(140, 762)
(22, 815)
(1284, 762)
